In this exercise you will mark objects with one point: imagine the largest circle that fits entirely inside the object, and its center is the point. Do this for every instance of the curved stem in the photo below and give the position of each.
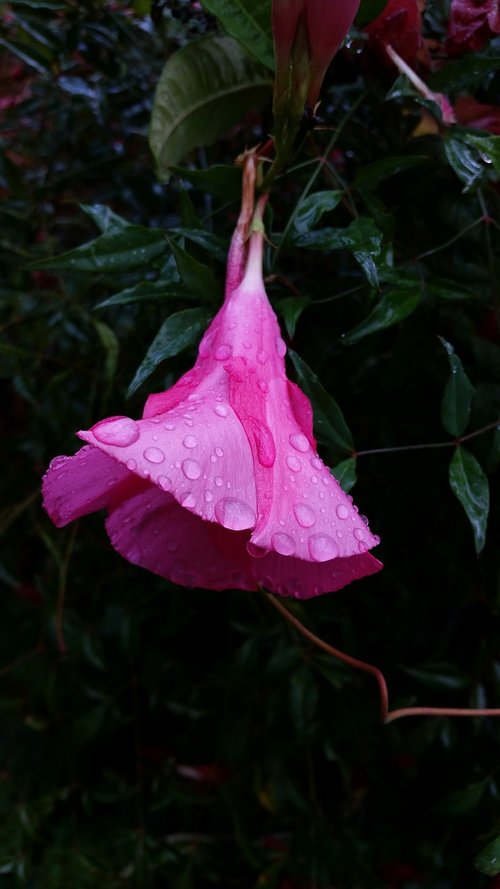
(386, 714)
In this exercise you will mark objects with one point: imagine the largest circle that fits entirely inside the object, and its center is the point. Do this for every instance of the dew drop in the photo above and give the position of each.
(188, 500)
(263, 386)
(218, 481)
(247, 345)
(264, 442)
(322, 547)
(220, 410)
(219, 452)
(222, 353)
(208, 496)
(118, 431)
(304, 515)
(191, 469)
(165, 482)
(154, 455)
(213, 458)
(283, 544)
(359, 534)
(258, 552)
(280, 347)
(262, 356)
(169, 427)
(234, 514)
(342, 511)
(132, 464)
(316, 463)
(190, 441)
(188, 423)
(293, 463)
(299, 442)
(314, 479)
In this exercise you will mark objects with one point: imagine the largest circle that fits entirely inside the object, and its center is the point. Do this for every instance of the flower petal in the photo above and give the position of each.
(151, 530)
(198, 451)
(76, 486)
(302, 580)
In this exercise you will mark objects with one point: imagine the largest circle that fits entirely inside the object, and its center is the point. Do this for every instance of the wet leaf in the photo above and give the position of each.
(393, 306)
(119, 251)
(362, 238)
(470, 485)
(291, 309)
(249, 21)
(329, 424)
(312, 208)
(345, 473)
(457, 395)
(488, 860)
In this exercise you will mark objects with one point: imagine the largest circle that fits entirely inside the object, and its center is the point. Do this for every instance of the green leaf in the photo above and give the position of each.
(461, 75)
(463, 801)
(465, 161)
(111, 346)
(369, 10)
(447, 289)
(371, 175)
(221, 181)
(393, 306)
(177, 333)
(488, 148)
(132, 248)
(488, 861)
(204, 89)
(361, 237)
(439, 675)
(196, 277)
(217, 247)
(107, 222)
(457, 395)
(330, 426)
(291, 309)
(345, 473)
(470, 485)
(249, 21)
(145, 291)
(311, 209)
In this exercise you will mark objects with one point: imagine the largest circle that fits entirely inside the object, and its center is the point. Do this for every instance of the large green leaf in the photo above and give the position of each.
(462, 74)
(249, 21)
(204, 89)
(470, 485)
(148, 290)
(177, 333)
(108, 222)
(393, 306)
(311, 209)
(361, 237)
(329, 424)
(121, 251)
(457, 395)
(488, 860)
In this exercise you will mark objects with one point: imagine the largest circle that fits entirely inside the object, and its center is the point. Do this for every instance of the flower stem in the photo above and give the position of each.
(434, 444)
(386, 714)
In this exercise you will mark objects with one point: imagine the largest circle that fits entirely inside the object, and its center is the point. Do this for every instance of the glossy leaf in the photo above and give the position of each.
(393, 306)
(122, 251)
(488, 860)
(196, 277)
(371, 175)
(249, 21)
(465, 161)
(488, 148)
(181, 330)
(329, 424)
(204, 89)
(111, 346)
(108, 222)
(464, 73)
(291, 309)
(345, 473)
(312, 208)
(362, 238)
(470, 485)
(145, 291)
(457, 395)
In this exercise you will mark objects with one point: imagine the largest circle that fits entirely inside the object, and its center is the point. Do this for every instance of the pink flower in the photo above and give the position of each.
(471, 25)
(219, 484)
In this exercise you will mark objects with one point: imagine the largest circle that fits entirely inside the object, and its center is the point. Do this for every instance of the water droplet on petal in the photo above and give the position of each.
(283, 544)
(118, 431)
(219, 452)
(247, 345)
(218, 481)
(264, 442)
(165, 482)
(359, 534)
(190, 441)
(208, 496)
(280, 347)
(314, 479)
(188, 500)
(258, 552)
(220, 410)
(234, 514)
(263, 386)
(293, 463)
(322, 547)
(304, 515)
(131, 464)
(222, 353)
(262, 356)
(342, 511)
(299, 442)
(169, 427)
(191, 469)
(154, 455)
(316, 462)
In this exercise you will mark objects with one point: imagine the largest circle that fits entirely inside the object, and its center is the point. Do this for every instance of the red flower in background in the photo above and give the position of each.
(399, 25)
(471, 25)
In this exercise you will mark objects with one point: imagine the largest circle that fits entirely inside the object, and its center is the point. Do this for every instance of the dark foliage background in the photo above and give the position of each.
(153, 736)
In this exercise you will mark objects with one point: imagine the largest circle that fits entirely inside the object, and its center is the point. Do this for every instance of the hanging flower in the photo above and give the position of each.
(219, 484)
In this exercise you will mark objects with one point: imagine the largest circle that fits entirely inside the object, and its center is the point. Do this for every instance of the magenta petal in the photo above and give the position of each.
(302, 580)
(151, 530)
(76, 486)
(198, 451)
